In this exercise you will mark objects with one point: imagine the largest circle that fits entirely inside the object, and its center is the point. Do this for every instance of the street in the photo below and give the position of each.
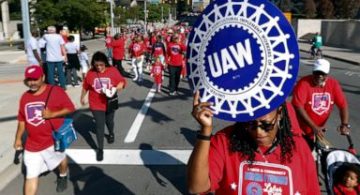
(154, 136)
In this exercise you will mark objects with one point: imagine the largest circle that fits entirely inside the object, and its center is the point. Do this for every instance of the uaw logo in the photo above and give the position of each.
(242, 56)
(101, 83)
(321, 103)
(33, 113)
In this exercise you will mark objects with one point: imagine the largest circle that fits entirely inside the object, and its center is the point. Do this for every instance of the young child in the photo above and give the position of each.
(157, 73)
(346, 180)
(84, 60)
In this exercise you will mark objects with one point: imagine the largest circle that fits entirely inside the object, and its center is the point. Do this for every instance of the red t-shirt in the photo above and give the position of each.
(137, 49)
(108, 40)
(30, 111)
(110, 78)
(231, 174)
(318, 102)
(118, 48)
(340, 189)
(157, 70)
(175, 54)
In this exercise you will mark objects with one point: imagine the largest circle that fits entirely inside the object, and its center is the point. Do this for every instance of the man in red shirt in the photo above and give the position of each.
(40, 122)
(175, 57)
(314, 97)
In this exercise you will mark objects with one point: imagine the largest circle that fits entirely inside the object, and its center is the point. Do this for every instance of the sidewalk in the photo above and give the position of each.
(10, 93)
(342, 54)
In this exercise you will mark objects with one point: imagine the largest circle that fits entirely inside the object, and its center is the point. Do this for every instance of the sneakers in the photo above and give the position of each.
(110, 139)
(61, 184)
(99, 155)
(172, 93)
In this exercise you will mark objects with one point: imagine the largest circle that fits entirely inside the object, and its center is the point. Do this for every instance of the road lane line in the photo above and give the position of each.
(130, 157)
(135, 127)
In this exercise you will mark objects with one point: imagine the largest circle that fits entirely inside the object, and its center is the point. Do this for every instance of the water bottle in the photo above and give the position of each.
(57, 145)
(18, 155)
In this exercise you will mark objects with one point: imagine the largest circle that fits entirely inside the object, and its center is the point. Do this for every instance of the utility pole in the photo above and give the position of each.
(25, 20)
(111, 17)
(162, 14)
(145, 17)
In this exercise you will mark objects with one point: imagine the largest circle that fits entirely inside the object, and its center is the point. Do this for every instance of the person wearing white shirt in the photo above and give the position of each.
(72, 51)
(55, 56)
(33, 51)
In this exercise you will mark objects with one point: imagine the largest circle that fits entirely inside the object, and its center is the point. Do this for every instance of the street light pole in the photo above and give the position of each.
(25, 20)
(145, 16)
(111, 16)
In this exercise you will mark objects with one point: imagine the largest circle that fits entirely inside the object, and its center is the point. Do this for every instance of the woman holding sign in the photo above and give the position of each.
(259, 156)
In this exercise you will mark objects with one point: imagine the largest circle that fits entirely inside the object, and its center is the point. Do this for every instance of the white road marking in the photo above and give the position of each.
(135, 127)
(130, 157)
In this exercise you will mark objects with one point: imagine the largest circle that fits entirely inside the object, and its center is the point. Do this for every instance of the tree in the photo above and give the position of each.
(309, 8)
(347, 8)
(326, 9)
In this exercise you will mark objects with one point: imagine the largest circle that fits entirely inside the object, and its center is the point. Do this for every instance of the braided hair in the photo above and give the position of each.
(241, 141)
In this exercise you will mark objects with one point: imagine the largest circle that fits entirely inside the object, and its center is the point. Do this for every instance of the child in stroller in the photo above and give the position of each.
(346, 179)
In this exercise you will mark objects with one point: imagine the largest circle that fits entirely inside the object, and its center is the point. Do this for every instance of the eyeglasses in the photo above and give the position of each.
(319, 73)
(265, 125)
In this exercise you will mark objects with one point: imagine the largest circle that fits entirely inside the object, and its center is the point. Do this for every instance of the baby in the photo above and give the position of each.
(346, 180)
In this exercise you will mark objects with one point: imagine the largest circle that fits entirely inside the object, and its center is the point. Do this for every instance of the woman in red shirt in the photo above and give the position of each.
(262, 155)
(175, 57)
(102, 81)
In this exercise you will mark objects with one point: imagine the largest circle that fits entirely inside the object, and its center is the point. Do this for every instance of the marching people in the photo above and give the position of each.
(314, 97)
(32, 50)
(84, 60)
(137, 51)
(175, 59)
(157, 72)
(118, 53)
(102, 81)
(39, 152)
(158, 49)
(245, 155)
(73, 64)
(55, 56)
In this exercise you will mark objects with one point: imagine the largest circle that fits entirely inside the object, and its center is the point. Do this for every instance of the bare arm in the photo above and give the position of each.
(63, 51)
(18, 137)
(82, 96)
(198, 166)
(305, 117)
(37, 56)
(344, 116)
(120, 86)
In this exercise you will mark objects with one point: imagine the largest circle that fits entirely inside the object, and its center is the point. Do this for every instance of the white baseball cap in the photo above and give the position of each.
(322, 65)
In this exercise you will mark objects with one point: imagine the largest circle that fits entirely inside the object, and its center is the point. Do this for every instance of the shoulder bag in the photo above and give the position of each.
(65, 135)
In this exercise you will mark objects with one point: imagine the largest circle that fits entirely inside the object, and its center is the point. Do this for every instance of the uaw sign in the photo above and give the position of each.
(242, 56)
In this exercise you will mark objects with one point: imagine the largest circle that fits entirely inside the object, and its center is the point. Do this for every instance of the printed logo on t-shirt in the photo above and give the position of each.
(157, 70)
(33, 113)
(136, 47)
(105, 83)
(264, 178)
(175, 49)
(320, 102)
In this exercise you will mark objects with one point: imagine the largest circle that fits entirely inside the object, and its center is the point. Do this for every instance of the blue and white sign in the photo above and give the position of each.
(242, 56)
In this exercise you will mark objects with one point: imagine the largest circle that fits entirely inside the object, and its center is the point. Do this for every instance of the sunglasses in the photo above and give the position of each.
(319, 73)
(264, 125)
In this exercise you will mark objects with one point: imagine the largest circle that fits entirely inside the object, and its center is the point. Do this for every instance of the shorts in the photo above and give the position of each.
(42, 161)
(84, 68)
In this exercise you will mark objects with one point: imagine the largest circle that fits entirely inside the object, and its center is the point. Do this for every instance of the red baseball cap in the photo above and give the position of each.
(33, 72)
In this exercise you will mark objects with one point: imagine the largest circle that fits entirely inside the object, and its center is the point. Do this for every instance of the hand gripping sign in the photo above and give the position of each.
(243, 57)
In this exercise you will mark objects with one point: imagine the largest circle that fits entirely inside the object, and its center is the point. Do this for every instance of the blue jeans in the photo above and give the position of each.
(60, 72)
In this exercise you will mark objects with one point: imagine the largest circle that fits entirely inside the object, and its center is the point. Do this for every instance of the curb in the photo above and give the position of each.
(335, 58)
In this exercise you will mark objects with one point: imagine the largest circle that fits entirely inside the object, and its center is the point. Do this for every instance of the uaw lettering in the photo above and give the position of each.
(232, 58)
(247, 51)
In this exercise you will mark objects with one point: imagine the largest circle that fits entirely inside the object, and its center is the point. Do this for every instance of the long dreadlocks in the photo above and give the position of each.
(241, 141)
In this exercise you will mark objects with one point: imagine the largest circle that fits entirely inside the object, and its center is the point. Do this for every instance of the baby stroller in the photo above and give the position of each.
(331, 159)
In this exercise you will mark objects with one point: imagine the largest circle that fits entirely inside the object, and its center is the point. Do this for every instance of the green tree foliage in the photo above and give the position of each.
(76, 14)
(309, 8)
(346, 9)
(326, 9)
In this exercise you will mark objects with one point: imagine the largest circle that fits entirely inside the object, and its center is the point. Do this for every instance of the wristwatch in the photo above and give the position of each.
(345, 125)
(202, 137)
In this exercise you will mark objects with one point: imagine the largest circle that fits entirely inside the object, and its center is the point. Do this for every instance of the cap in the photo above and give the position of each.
(170, 31)
(322, 65)
(33, 72)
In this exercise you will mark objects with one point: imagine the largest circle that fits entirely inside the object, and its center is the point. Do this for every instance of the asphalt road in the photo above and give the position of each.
(155, 161)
